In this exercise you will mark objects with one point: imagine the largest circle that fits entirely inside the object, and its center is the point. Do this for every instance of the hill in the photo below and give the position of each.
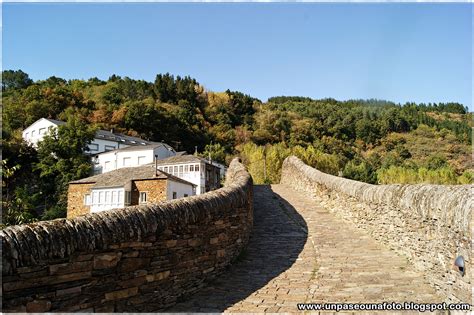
(374, 141)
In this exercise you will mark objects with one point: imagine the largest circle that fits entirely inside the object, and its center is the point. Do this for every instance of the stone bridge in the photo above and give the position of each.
(315, 238)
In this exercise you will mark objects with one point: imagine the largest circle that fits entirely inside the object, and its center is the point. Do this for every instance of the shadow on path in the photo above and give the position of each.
(278, 237)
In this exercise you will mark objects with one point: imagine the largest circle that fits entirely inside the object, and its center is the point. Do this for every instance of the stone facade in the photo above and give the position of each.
(155, 189)
(429, 224)
(75, 200)
(139, 259)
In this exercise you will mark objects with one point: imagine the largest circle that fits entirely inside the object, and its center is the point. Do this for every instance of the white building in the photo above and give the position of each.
(131, 156)
(201, 172)
(124, 187)
(103, 141)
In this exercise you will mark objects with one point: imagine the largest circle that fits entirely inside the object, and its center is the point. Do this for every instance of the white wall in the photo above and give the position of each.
(107, 198)
(35, 133)
(197, 178)
(179, 188)
(110, 161)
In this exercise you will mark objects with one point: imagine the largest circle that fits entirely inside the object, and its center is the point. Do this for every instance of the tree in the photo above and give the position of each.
(61, 160)
(215, 151)
(15, 80)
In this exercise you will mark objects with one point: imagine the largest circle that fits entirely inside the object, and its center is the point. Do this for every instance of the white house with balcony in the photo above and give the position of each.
(203, 173)
(131, 156)
(103, 141)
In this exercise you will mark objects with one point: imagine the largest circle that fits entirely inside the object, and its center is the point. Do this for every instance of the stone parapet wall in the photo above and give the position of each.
(429, 224)
(140, 258)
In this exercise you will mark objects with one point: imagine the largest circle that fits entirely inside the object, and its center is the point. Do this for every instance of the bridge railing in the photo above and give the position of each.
(429, 224)
(140, 258)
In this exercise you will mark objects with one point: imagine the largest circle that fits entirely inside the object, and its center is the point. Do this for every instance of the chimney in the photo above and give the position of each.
(112, 130)
(156, 165)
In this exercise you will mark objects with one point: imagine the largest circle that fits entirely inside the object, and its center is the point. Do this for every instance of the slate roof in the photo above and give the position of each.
(123, 176)
(57, 122)
(150, 146)
(129, 140)
(181, 159)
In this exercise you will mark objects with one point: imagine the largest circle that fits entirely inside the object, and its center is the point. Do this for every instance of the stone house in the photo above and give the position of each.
(123, 187)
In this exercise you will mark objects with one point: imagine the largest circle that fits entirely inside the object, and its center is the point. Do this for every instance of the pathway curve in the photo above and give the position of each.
(299, 252)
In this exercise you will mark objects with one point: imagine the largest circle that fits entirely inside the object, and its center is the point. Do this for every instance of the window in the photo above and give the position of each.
(175, 170)
(33, 133)
(175, 195)
(120, 197)
(141, 160)
(87, 200)
(42, 131)
(107, 165)
(108, 148)
(94, 147)
(143, 196)
(181, 168)
(101, 197)
(107, 197)
(196, 167)
(185, 195)
(186, 169)
(114, 197)
(27, 135)
(165, 169)
(128, 197)
(191, 168)
(126, 161)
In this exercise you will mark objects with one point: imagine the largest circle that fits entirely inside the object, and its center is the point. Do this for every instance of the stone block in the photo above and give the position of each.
(38, 306)
(84, 257)
(70, 267)
(131, 264)
(106, 260)
(133, 282)
(158, 276)
(121, 294)
(139, 273)
(69, 291)
(131, 254)
(171, 243)
(194, 242)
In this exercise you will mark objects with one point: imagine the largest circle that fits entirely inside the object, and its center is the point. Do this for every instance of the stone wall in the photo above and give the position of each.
(155, 189)
(141, 258)
(75, 199)
(429, 224)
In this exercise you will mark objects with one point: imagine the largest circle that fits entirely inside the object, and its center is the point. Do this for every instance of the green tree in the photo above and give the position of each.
(215, 151)
(61, 160)
(15, 80)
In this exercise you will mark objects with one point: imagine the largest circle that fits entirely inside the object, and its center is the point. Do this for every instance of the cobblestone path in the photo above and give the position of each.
(299, 252)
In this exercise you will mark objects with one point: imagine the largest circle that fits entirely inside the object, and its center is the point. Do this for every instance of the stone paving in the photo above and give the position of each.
(299, 252)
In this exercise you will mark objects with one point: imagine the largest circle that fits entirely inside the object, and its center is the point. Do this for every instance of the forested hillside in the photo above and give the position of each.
(368, 140)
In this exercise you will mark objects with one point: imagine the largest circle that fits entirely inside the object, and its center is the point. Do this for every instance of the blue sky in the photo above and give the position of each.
(398, 52)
